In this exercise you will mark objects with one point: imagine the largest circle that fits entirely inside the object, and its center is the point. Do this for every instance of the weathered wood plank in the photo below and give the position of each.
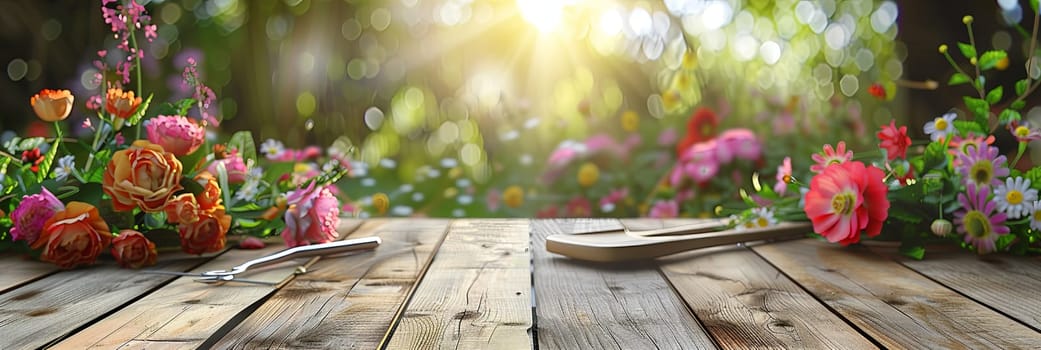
(477, 292)
(49, 308)
(1009, 284)
(594, 306)
(745, 303)
(346, 303)
(185, 313)
(892, 304)
(19, 270)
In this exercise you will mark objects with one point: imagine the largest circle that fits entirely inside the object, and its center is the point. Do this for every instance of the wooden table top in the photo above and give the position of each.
(490, 284)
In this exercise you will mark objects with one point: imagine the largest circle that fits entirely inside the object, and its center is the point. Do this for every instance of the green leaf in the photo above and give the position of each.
(90, 192)
(958, 79)
(140, 113)
(967, 50)
(48, 159)
(935, 155)
(965, 127)
(991, 58)
(979, 107)
(191, 185)
(1018, 105)
(994, 96)
(243, 141)
(178, 108)
(1009, 115)
(191, 160)
(1033, 5)
(913, 251)
(980, 82)
(1021, 86)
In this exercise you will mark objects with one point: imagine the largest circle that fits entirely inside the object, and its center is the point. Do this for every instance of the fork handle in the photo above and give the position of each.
(334, 247)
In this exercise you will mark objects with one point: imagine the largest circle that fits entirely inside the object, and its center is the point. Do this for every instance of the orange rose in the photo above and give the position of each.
(132, 250)
(52, 105)
(121, 104)
(74, 236)
(182, 209)
(142, 176)
(206, 235)
(210, 198)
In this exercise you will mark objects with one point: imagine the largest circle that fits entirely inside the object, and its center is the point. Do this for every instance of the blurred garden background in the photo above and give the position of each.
(524, 108)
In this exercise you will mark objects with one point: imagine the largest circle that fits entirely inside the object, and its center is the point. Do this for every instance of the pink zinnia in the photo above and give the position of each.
(177, 134)
(977, 219)
(740, 144)
(32, 213)
(846, 199)
(784, 176)
(665, 209)
(831, 156)
(894, 140)
(312, 217)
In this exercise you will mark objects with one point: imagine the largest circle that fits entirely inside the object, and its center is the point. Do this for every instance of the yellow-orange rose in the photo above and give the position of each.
(74, 236)
(206, 235)
(182, 209)
(52, 105)
(142, 176)
(132, 250)
(210, 198)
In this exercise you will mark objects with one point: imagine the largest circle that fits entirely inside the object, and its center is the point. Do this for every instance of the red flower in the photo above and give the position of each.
(877, 90)
(33, 157)
(701, 127)
(894, 140)
(845, 199)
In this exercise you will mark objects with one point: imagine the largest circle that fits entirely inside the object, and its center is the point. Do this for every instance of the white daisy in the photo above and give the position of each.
(272, 149)
(368, 182)
(1035, 216)
(247, 192)
(406, 188)
(465, 199)
(388, 163)
(761, 217)
(463, 183)
(1015, 197)
(939, 127)
(66, 165)
(449, 163)
(418, 196)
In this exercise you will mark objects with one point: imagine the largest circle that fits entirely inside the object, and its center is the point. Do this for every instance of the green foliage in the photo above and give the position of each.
(958, 79)
(140, 113)
(243, 141)
(990, 59)
(979, 108)
(1022, 85)
(967, 50)
(913, 251)
(1009, 115)
(994, 96)
(179, 108)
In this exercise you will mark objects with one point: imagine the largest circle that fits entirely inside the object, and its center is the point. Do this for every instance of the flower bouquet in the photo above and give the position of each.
(958, 186)
(144, 173)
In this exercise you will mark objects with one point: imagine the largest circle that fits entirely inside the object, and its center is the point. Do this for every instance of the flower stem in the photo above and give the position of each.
(136, 51)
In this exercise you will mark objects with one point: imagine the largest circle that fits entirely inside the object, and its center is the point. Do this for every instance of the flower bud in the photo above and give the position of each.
(943, 48)
(966, 19)
(941, 227)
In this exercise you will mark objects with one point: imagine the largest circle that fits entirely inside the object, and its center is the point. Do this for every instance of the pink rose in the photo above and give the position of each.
(233, 163)
(177, 134)
(312, 217)
(32, 213)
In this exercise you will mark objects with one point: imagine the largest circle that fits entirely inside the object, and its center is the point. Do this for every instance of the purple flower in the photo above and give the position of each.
(983, 166)
(312, 217)
(32, 213)
(977, 219)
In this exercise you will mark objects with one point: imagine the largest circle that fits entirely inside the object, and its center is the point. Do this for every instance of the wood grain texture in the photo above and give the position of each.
(897, 307)
(346, 303)
(19, 270)
(746, 303)
(595, 306)
(185, 313)
(993, 280)
(477, 292)
(50, 308)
